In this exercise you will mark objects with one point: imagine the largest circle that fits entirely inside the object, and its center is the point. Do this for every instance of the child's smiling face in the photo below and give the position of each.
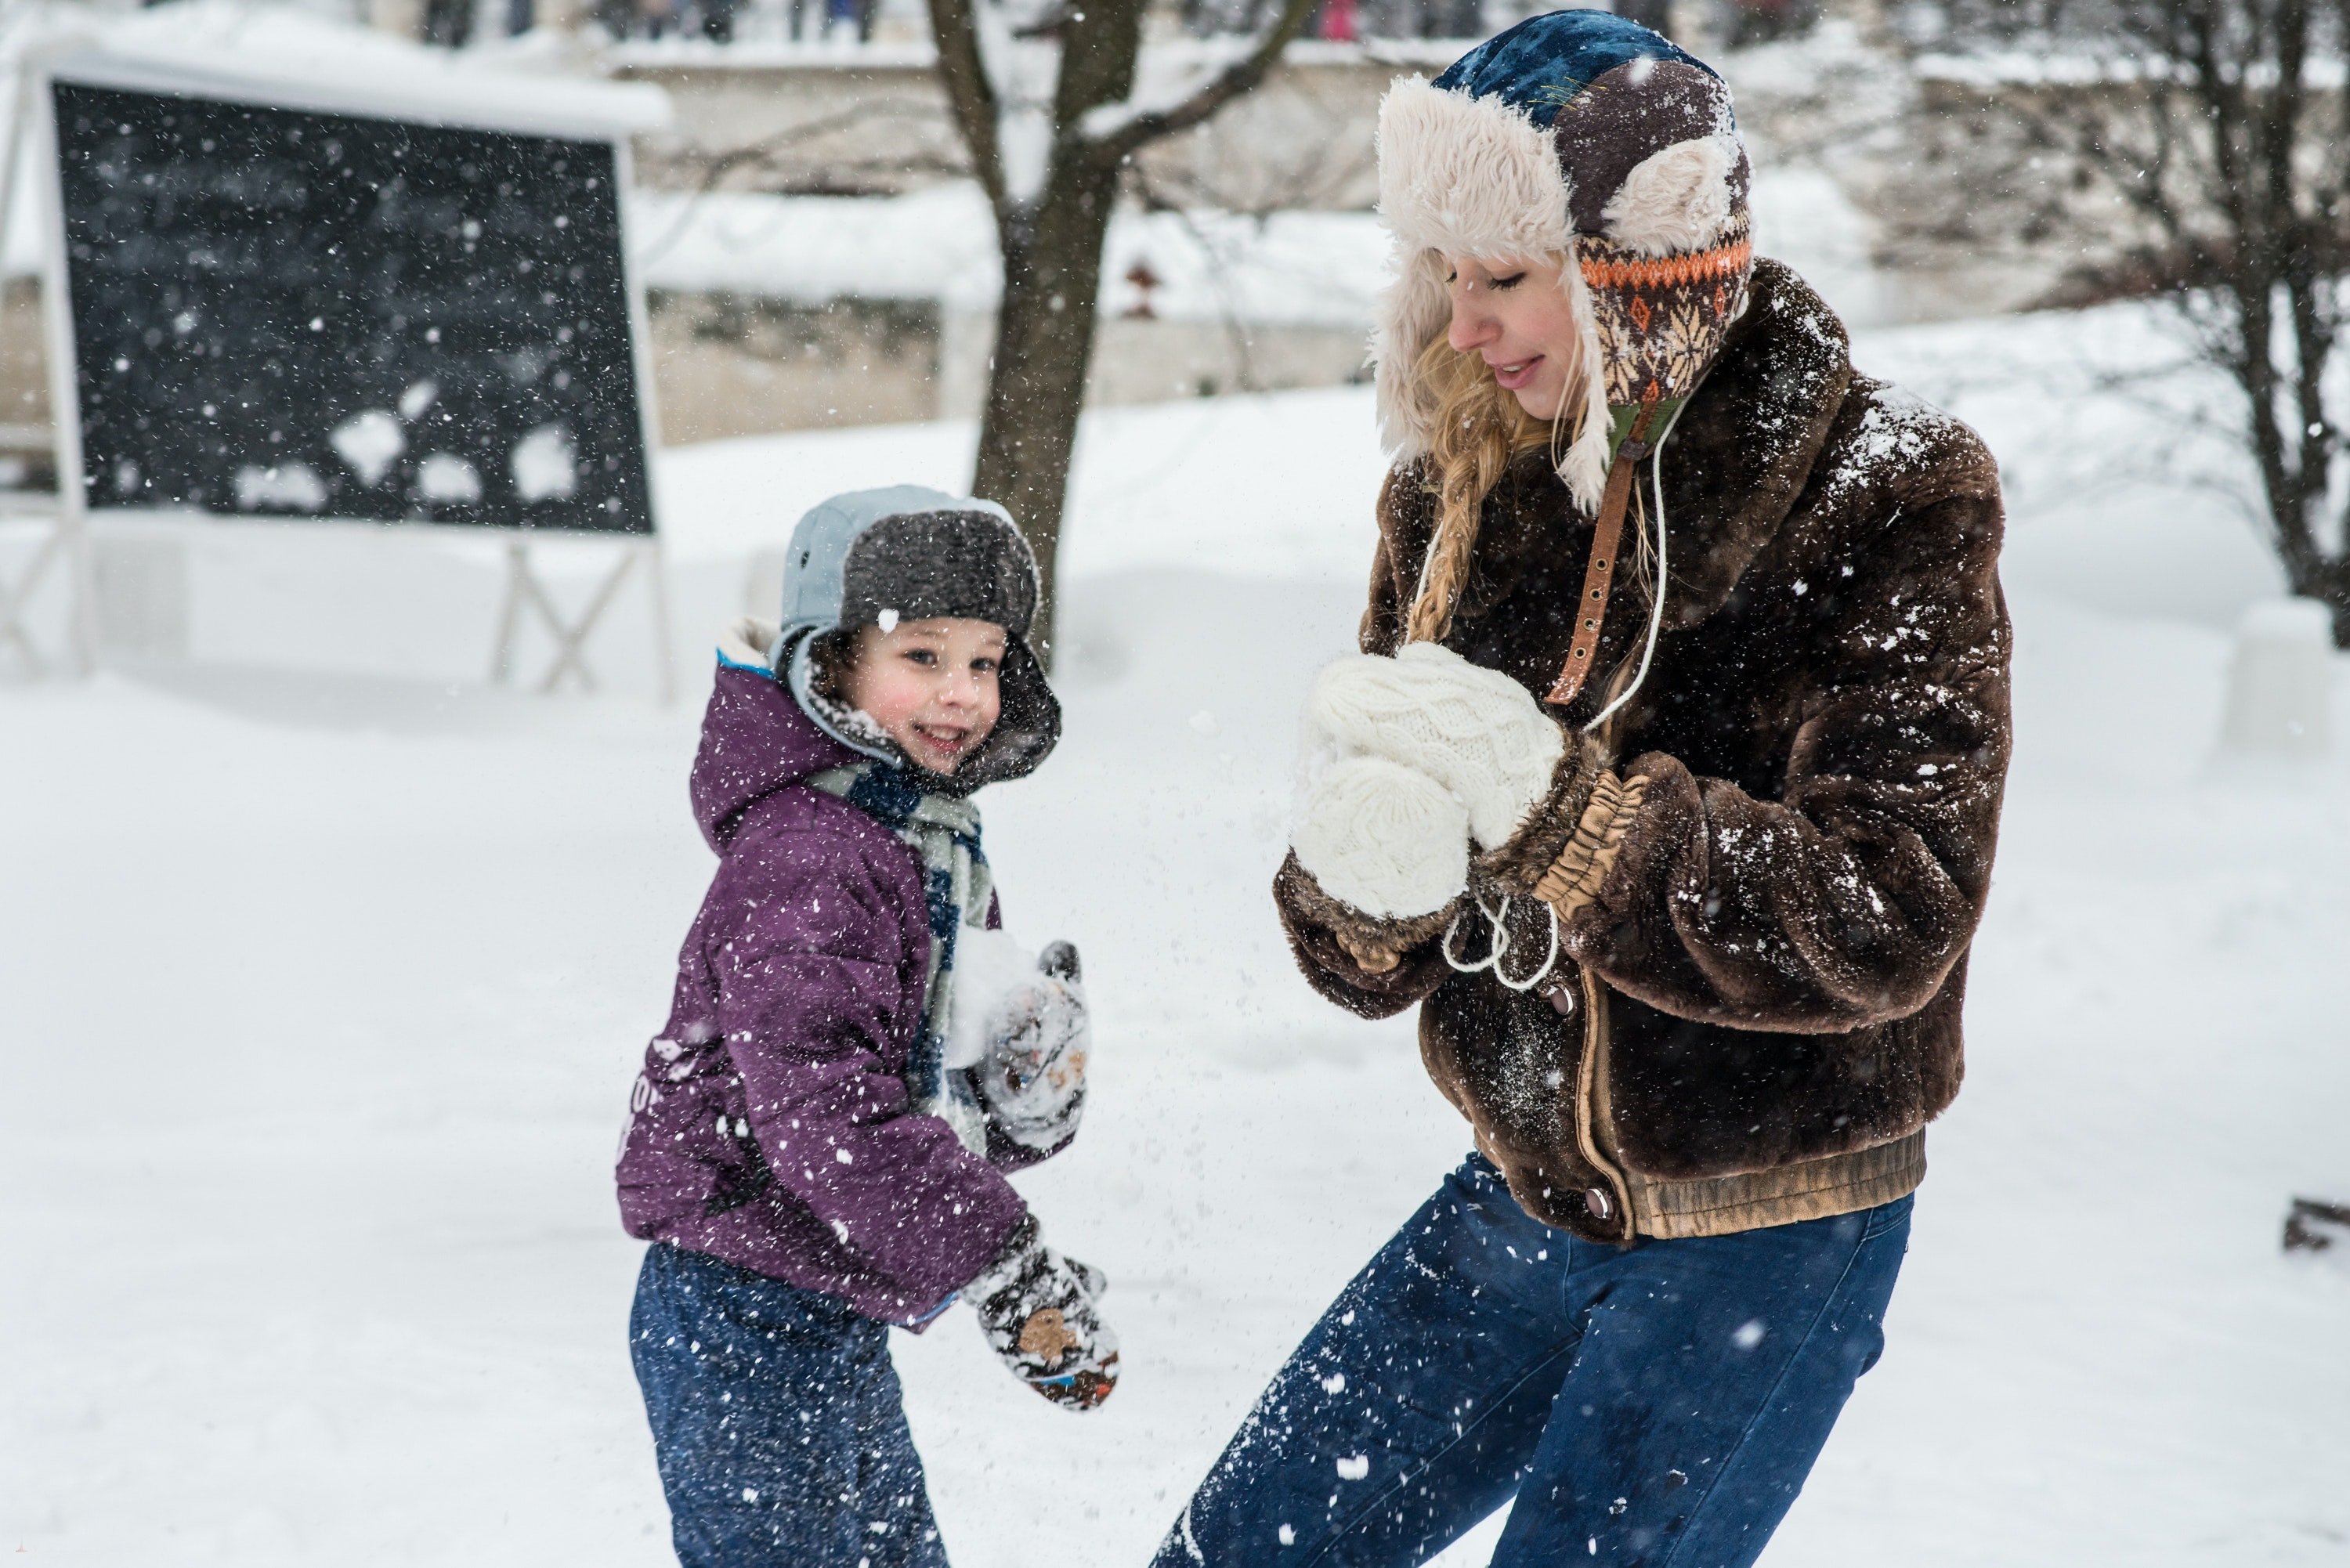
(932, 685)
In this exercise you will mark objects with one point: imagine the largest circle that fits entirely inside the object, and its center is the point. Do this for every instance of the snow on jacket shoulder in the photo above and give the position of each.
(770, 1127)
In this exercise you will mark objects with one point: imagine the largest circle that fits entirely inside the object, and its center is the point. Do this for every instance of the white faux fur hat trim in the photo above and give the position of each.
(1470, 175)
(1474, 177)
(1676, 200)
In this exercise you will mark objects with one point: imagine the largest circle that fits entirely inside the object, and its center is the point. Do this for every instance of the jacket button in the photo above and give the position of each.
(1596, 1199)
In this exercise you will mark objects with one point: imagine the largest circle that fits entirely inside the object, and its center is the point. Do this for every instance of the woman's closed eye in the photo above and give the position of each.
(1496, 284)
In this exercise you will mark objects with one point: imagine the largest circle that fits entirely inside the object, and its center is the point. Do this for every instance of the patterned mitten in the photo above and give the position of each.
(1036, 1308)
(1033, 1075)
(1474, 731)
(1382, 838)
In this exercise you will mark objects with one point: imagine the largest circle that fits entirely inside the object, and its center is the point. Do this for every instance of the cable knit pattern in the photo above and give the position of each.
(1383, 837)
(1520, 861)
(1475, 731)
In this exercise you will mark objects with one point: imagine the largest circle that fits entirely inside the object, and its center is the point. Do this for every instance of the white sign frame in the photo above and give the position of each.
(79, 62)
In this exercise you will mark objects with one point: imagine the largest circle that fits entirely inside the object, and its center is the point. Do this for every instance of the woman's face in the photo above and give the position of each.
(1511, 313)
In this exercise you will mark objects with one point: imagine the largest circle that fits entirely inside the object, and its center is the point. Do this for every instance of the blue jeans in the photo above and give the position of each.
(777, 1422)
(1656, 1405)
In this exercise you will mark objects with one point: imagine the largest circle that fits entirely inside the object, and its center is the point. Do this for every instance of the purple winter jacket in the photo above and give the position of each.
(770, 1127)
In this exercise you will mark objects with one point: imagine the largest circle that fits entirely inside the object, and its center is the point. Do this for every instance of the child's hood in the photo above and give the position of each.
(910, 552)
(754, 739)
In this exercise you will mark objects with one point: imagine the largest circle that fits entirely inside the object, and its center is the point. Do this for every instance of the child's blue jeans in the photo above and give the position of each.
(1656, 1404)
(777, 1421)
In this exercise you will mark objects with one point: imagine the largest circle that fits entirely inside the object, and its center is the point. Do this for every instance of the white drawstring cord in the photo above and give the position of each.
(1664, 577)
(1499, 920)
(1493, 961)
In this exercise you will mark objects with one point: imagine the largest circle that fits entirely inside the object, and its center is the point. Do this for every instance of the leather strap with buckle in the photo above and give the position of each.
(1599, 572)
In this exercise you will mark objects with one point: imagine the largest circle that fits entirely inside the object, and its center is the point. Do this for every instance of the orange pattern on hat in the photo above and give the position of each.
(1665, 271)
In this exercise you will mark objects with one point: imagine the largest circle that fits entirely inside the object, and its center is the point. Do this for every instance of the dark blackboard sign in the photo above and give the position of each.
(283, 312)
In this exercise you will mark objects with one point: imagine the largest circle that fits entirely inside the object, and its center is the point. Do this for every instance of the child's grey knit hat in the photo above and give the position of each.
(909, 553)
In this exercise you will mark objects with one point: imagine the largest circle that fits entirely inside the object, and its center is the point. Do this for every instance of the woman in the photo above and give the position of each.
(1680, 855)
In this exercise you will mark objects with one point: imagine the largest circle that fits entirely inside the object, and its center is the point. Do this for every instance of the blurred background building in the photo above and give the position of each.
(815, 254)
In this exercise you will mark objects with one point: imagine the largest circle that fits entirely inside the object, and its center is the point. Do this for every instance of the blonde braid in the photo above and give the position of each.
(1479, 429)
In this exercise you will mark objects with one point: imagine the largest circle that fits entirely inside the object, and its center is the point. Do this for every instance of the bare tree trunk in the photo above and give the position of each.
(2237, 163)
(1052, 238)
(1043, 348)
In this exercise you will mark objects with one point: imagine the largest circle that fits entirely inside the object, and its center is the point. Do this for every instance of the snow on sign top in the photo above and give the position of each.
(403, 83)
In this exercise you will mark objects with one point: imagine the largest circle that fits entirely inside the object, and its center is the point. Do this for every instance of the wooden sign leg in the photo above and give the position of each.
(510, 611)
(16, 597)
(525, 596)
(657, 584)
(570, 639)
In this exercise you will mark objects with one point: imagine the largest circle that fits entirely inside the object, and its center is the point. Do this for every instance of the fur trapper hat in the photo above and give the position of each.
(1581, 135)
(908, 552)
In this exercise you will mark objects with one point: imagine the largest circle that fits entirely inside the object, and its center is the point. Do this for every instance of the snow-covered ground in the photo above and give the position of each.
(323, 971)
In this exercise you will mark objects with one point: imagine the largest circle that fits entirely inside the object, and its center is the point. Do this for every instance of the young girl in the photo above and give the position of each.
(854, 1053)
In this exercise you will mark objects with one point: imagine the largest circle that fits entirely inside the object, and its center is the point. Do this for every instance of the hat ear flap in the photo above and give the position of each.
(1415, 307)
(1584, 468)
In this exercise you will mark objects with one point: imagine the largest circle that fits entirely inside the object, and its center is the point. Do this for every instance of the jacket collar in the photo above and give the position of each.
(755, 741)
(1744, 447)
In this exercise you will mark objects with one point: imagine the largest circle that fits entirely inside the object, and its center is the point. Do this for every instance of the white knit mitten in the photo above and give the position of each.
(1473, 731)
(1385, 838)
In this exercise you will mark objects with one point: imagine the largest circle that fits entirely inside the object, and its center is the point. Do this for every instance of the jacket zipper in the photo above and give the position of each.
(1595, 1012)
(1586, 1088)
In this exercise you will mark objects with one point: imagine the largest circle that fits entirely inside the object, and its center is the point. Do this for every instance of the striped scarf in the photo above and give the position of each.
(944, 833)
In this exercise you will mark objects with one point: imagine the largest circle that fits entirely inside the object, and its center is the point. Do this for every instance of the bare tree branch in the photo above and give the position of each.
(1240, 76)
(2244, 180)
(962, 71)
(769, 150)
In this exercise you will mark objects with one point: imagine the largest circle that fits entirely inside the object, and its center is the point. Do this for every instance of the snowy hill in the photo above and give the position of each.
(326, 971)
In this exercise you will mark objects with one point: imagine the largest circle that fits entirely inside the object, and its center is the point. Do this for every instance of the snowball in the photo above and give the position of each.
(545, 465)
(280, 487)
(369, 442)
(446, 478)
(989, 966)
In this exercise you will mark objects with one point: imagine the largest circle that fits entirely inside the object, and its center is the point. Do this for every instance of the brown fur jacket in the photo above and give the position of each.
(1767, 902)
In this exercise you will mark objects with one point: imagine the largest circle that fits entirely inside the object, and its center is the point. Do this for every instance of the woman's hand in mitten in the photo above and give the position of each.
(1475, 731)
(1384, 840)
(1037, 1309)
(1032, 1077)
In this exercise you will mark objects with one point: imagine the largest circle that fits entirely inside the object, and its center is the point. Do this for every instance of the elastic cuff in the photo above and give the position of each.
(1575, 876)
(1001, 1268)
(919, 1323)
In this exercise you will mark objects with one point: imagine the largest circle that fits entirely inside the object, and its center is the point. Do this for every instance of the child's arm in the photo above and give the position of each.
(808, 961)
